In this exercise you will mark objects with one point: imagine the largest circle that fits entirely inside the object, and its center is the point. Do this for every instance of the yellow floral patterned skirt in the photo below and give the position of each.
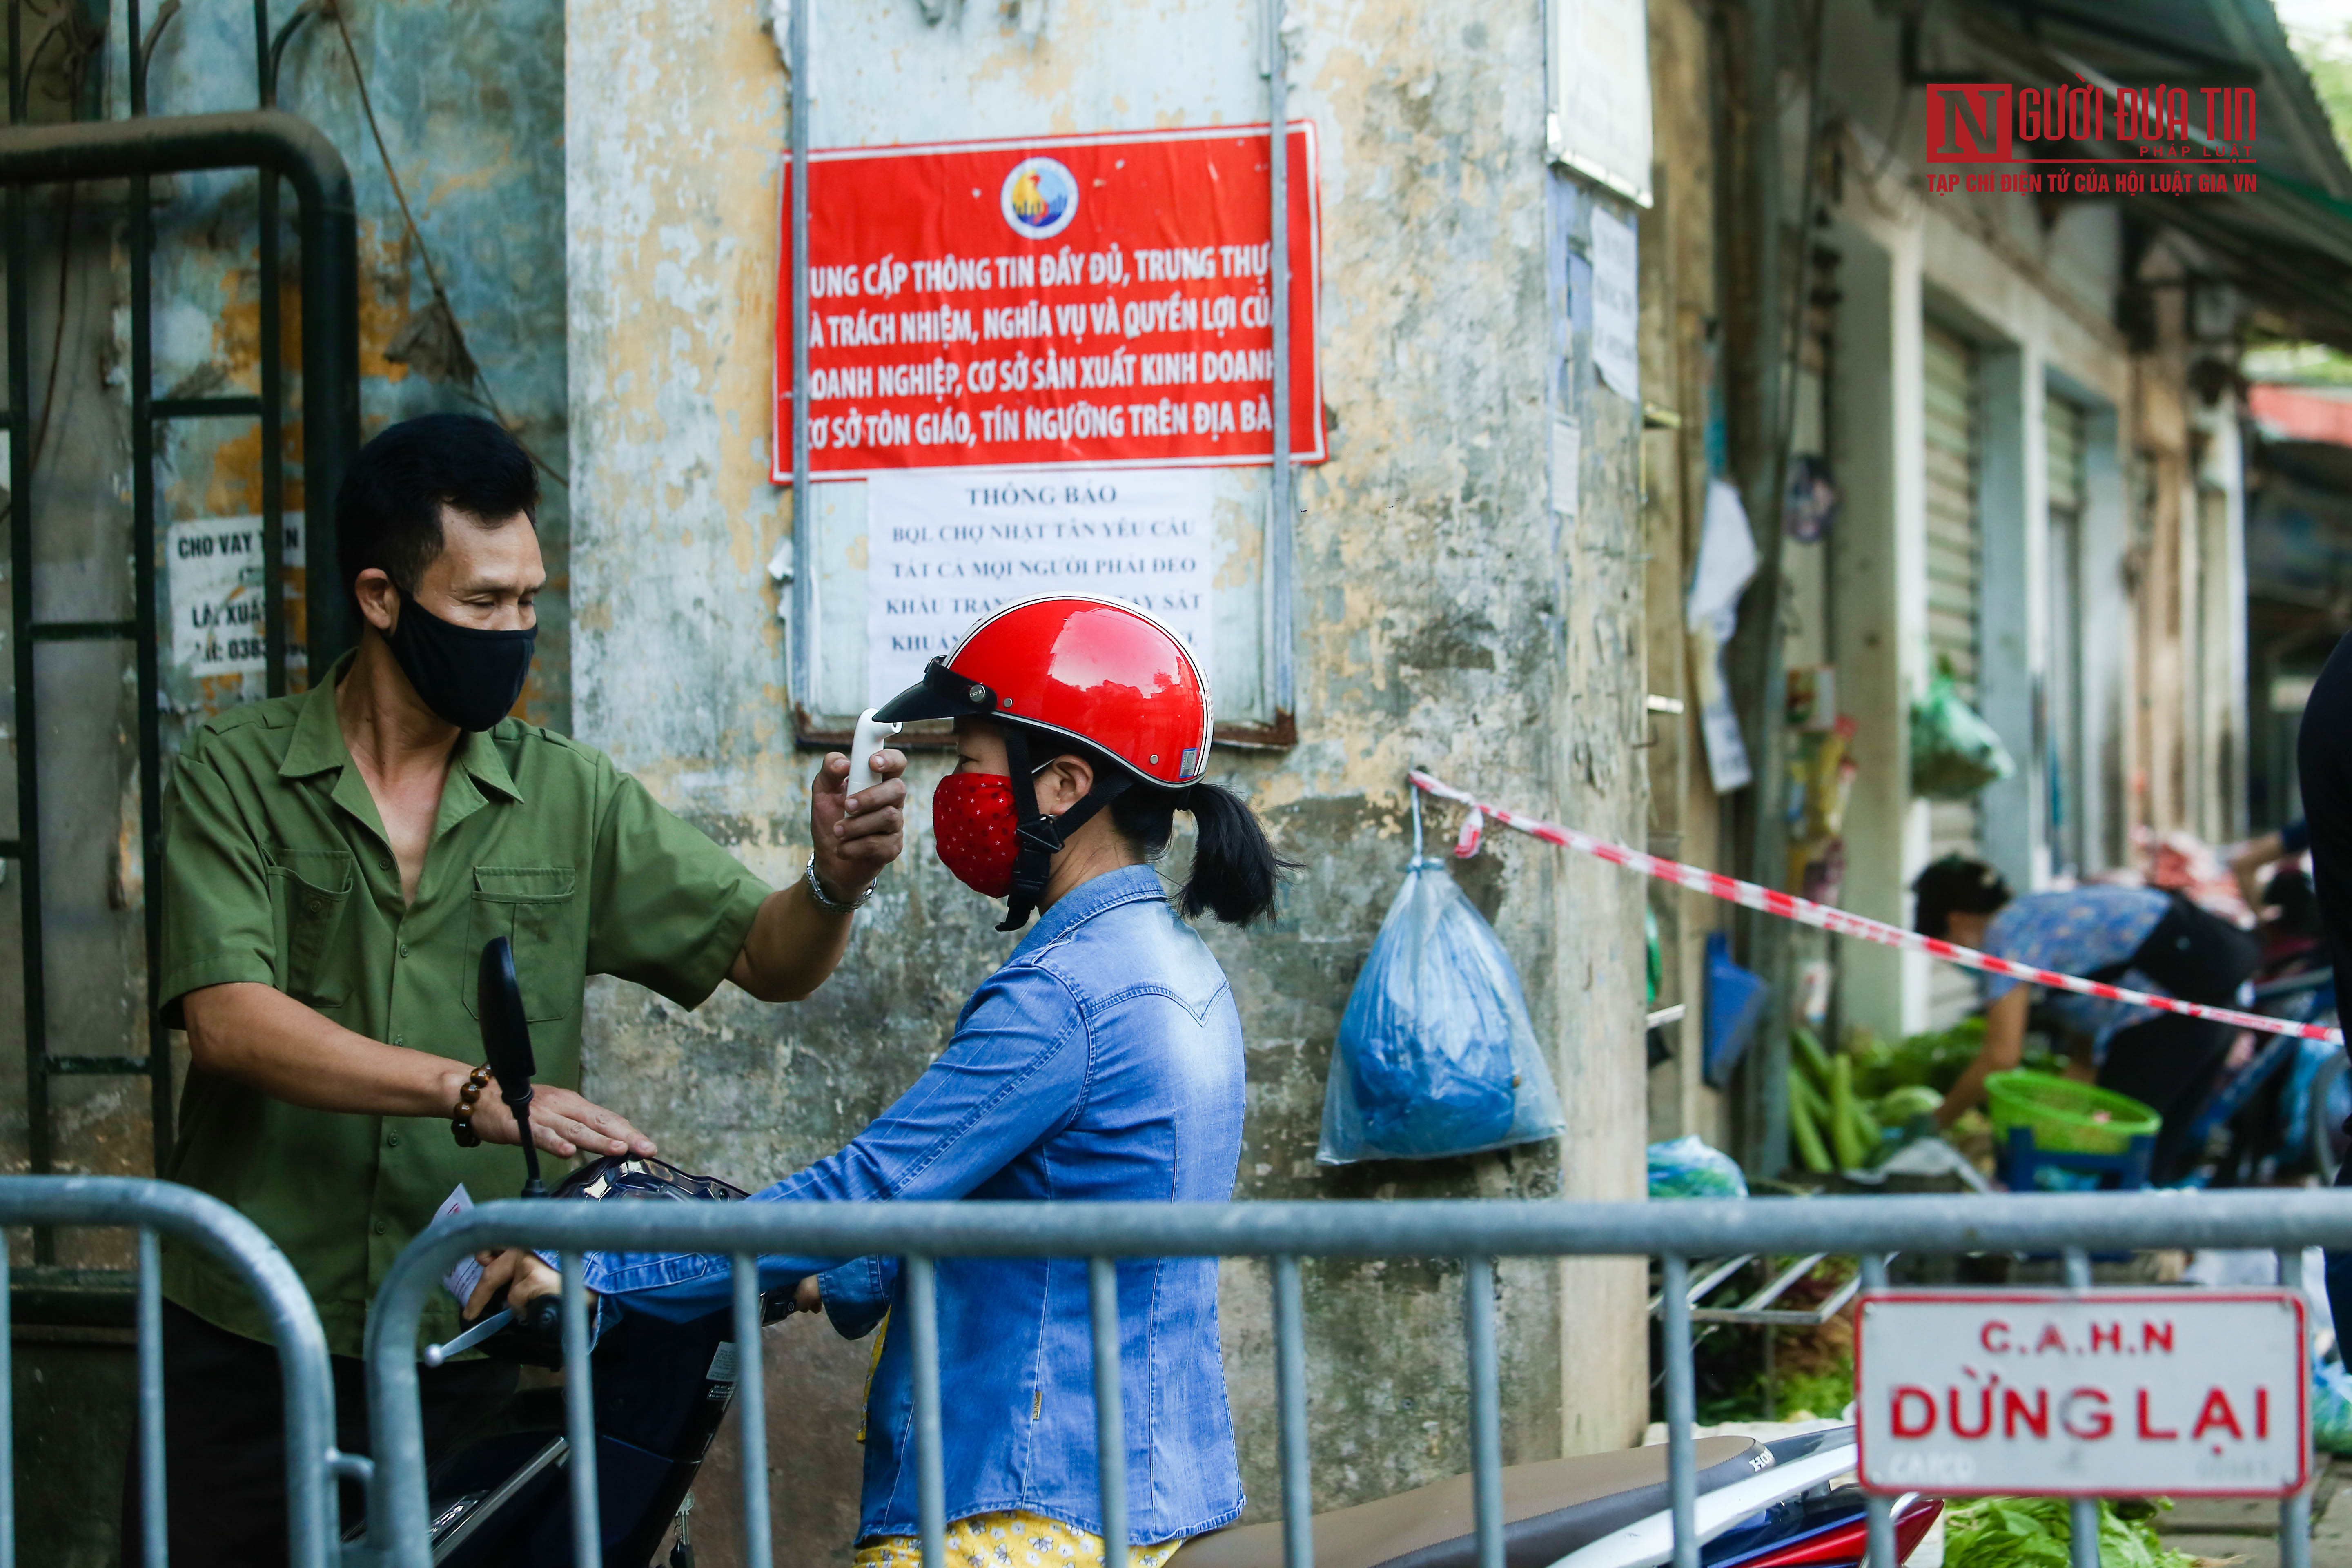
(1009, 1540)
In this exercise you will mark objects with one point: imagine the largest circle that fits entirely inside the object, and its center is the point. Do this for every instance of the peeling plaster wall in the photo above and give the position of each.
(470, 107)
(1445, 618)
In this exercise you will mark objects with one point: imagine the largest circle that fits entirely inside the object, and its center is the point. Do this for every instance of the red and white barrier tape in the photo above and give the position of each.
(1806, 913)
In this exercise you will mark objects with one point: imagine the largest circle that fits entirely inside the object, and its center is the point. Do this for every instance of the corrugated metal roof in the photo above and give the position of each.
(2289, 242)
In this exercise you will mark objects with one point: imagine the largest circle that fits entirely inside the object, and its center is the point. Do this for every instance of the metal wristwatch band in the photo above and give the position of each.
(825, 898)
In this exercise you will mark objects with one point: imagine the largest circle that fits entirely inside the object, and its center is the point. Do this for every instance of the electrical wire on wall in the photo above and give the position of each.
(465, 371)
(78, 45)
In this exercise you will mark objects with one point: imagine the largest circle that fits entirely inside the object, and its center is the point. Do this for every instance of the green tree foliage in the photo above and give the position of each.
(2327, 57)
(2326, 53)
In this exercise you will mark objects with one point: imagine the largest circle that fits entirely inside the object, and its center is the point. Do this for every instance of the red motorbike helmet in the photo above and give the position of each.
(1071, 668)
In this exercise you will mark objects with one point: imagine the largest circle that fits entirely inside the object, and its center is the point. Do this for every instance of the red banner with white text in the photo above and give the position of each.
(1077, 301)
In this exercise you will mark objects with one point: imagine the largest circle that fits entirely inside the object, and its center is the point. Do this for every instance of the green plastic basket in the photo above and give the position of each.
(2066, 1117)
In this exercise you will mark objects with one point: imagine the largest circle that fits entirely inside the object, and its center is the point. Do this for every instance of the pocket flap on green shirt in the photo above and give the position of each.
(531, 906)
(523, 884)
(327, 871)
(309, 890)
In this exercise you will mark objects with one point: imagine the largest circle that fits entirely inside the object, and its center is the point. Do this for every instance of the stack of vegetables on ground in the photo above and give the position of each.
(2028, 1532)
(1811, 1368)
(1847, 1108)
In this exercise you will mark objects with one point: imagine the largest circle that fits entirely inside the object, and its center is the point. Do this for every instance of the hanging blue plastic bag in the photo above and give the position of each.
(1436, 1055)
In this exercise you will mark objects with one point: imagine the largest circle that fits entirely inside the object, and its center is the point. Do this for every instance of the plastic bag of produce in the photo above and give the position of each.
(1954, 752)
(1689, 1168)
(1436, 1055)
(2331, 1408)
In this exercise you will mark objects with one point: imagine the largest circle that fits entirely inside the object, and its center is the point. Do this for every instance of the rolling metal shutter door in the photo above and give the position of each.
(2061, 429)
(1954, 568)
(2062, 440)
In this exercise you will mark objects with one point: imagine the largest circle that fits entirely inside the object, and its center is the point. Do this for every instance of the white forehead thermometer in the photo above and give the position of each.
(871, 733)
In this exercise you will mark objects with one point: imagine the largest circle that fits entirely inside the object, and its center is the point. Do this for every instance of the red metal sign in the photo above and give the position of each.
(1096, 301)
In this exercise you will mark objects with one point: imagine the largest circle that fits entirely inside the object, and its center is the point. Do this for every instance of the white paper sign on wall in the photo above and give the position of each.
(2109, 1393)
(945, 546)
(211, 570)
(1567, 455)
(1617, 304)
(1599, 120)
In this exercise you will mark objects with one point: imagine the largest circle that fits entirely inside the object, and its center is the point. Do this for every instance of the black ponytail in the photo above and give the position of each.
(1234, 870)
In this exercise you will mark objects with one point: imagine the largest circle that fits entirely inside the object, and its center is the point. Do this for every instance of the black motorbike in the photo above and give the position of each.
(502, 1500)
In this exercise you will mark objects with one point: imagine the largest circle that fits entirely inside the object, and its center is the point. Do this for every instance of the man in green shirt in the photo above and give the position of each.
(335, 863)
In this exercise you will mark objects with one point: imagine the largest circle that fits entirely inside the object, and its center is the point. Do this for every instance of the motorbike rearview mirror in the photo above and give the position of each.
(506, 1045)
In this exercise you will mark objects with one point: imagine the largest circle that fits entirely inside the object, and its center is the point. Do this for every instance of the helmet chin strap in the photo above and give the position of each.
(1040, 838)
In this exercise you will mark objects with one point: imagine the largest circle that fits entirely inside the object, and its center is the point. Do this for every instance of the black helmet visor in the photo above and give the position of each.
(940, 694)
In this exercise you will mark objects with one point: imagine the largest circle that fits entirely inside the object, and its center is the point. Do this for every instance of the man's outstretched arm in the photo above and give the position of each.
(794, 942)
(265, 1040)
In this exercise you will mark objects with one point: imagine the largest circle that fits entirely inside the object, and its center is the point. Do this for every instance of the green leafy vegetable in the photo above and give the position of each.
(1935, 1061)
(1821, 1395)
(1872, 1053)
(2032, 1533)
(1896, 1106)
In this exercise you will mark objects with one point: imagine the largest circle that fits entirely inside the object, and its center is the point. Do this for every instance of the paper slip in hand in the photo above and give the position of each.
(464, 1274)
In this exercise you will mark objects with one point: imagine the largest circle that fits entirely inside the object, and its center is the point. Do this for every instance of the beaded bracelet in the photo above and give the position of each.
(461, 1125)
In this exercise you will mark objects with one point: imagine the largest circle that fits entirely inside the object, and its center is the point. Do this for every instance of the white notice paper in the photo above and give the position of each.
(946, 546)
(1567, 454)
(464, 1274)
(213, 572)
(1727, 561)
(1600, 121)
(1616, 305)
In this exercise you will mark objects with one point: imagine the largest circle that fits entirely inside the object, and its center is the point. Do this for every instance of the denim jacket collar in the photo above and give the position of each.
(1128, 885)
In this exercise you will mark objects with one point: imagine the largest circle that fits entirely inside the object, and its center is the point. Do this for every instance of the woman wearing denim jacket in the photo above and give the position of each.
(1103, 1062)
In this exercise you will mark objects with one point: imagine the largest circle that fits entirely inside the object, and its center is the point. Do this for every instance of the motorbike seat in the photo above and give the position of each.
(1550, 1509)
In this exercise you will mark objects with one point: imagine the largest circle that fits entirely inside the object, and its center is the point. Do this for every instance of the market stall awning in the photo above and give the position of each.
(2301, 413)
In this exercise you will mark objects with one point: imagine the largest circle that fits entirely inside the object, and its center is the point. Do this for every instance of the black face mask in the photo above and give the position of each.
(468, 676)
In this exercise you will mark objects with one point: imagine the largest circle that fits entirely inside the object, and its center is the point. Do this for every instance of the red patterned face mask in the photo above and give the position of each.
(974, 818)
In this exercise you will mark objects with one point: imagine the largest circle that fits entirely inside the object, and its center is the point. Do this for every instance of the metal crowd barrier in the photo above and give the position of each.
(1868, 1228)
(155, 1208)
